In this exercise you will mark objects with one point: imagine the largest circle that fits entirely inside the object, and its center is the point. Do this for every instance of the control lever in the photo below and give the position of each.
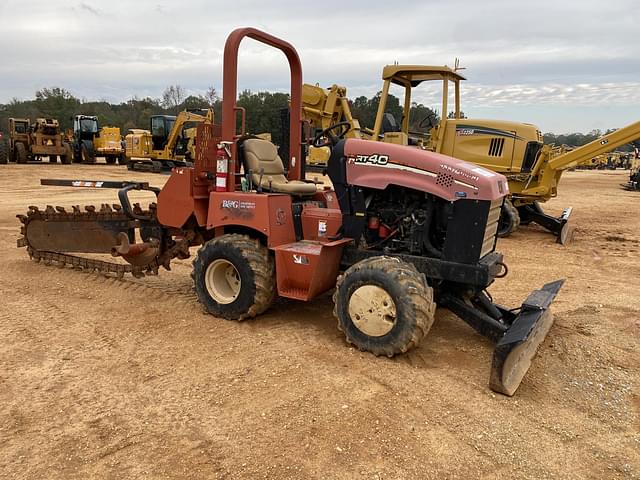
(270, 178)
(250, 179)
(259, 189)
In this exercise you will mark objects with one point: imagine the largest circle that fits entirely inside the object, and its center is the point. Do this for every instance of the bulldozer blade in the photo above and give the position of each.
(515, 350)
(558, 226)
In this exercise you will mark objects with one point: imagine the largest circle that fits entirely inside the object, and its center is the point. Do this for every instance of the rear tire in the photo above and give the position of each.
(234, 277)
(67, 158)
(509, 219)
(4, 157)
(110, 159)
(21, 153)
(123, 160)
(383, 305)
(53, 159)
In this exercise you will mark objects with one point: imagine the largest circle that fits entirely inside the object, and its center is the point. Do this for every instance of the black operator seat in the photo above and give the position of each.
(389, 123)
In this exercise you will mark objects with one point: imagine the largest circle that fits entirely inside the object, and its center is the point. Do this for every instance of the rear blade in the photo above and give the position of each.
(515, 350)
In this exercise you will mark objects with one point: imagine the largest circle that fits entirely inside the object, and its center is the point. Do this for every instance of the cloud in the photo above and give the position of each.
(88, 8)
(538, 53)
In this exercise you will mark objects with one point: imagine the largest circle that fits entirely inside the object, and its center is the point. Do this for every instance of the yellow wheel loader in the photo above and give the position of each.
(513, 149)
(169, 143)
(34, 141)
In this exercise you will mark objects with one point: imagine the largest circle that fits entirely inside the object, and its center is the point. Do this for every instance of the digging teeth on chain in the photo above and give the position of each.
(106, 212)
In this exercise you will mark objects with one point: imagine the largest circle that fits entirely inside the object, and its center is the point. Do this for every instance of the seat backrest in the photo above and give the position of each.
(262, 154)
(389, 123)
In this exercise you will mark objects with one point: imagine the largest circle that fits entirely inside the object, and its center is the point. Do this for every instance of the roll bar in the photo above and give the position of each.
(230, 92)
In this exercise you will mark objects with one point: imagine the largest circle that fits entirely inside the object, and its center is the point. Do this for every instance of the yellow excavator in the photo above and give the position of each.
(513, 149)
(168, 144)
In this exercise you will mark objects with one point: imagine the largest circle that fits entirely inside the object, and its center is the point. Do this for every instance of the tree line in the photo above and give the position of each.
(264, 111)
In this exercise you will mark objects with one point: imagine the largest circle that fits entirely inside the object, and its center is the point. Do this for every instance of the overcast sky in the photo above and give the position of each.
(563, 65)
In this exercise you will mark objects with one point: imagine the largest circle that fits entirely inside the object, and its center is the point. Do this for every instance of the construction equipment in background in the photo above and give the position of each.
(625, 160)
(4, 150)
(322, 108)
(109, 144)
(408, 228)
(35, 141)
(89, 141)
(596, 163)
(634, 169)
(168, 144)
(513, 149)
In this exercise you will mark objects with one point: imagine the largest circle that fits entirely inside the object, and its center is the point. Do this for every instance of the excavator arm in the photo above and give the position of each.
(183, 118)
(604, 144)
(325, 107)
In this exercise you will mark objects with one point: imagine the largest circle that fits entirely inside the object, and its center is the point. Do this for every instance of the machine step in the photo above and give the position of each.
(308, 268)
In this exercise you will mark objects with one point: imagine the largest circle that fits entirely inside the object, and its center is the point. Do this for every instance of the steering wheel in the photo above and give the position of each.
(332, 138)
(430, 123)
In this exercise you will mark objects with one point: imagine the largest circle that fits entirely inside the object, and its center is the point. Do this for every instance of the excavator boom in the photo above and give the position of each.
(604, 144)
(144, 157)
(325, 107)
(182, 118)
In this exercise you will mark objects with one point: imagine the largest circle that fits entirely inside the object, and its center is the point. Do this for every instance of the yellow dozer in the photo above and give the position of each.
(168, 144)
(513, 149)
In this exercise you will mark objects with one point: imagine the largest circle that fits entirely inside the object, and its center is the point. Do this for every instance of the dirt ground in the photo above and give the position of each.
(106, 378)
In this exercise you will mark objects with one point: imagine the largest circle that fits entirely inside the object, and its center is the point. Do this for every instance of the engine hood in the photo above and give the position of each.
(378, 165)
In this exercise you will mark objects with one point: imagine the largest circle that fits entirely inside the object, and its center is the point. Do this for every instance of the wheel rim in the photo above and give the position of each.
(372, 310)
(222, 281)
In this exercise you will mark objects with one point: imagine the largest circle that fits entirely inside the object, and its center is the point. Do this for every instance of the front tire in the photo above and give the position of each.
(86, 153)
(21, 153)
(234, 277)
(383, 305)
